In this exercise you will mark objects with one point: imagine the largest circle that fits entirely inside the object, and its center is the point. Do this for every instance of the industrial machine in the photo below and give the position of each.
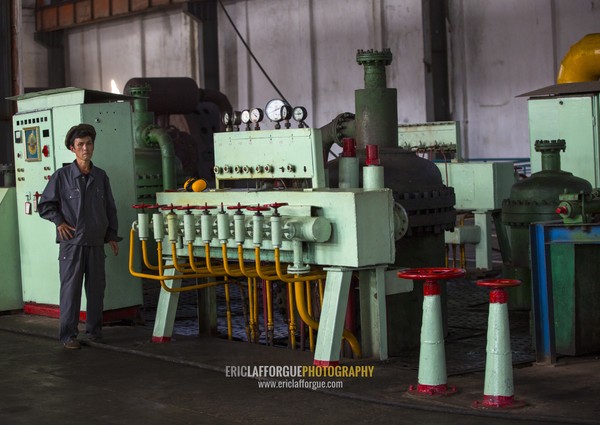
(39, 129)
(568, 112)
(535, 200)
(480, 186)
(10, 285)
(278, 213)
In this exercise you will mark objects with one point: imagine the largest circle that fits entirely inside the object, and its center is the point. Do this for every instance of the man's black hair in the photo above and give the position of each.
(79, 131)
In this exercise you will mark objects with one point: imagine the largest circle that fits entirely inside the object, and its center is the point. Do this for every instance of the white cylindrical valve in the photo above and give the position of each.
(239, 227)
(308, 229)
(143, 226)
(158, 226)
(206, 223)
(223, 232)
(276, 231)
(189, 230)
(172, 226)
(258, 221)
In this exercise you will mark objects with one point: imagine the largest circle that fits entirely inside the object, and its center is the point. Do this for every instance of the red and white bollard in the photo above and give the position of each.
(432, 357)
(498, 391)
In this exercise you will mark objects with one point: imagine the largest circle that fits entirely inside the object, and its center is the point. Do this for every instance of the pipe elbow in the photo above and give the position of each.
(159, 135)
(582, 61)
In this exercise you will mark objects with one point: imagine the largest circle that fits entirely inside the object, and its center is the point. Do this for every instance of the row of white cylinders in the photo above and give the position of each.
(238, 226)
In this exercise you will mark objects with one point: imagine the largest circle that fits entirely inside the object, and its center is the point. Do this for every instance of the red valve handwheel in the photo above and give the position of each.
(187, 207)
(562, 210)
(141, 206)
(258, 208)
(498, 283)
(168, 207)
(150, 207)
(431, 273)
(237, 207)
(205, 207)
(276, 205)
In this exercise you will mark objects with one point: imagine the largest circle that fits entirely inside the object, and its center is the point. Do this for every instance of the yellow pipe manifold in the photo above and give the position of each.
(582, 61)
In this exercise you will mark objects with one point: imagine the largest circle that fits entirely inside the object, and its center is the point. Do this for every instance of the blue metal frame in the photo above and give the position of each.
(542, 236)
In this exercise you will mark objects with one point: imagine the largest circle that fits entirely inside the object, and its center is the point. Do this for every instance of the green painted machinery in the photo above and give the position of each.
(39, 130)
(535, 200)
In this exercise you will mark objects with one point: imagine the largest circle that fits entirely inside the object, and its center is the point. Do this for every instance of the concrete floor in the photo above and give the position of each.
(129, 380)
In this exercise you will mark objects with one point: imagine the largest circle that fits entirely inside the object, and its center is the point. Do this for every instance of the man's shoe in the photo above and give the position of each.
(72, 344)
(97, 339)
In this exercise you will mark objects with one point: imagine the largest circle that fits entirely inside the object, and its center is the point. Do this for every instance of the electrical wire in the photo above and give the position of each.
(252, 54)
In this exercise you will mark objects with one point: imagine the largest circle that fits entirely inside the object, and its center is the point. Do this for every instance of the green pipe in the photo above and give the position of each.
(154, 134)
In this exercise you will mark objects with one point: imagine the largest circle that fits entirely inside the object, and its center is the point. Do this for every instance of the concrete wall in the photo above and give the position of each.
(503, 49)
(162, 44)
(309, 47)
(498, 50)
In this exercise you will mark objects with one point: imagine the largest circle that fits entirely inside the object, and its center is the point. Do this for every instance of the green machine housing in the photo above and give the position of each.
(570, 112)
(39, 130)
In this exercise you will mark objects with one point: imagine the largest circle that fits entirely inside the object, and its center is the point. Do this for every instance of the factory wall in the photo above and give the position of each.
(497, 50)
(309, 50)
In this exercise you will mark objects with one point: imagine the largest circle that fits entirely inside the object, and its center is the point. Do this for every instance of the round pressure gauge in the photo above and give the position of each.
(300, 113)
(236, 118)
(226, 118)
(273, 109)
(286, 112)
(256, 115)
(246, 116)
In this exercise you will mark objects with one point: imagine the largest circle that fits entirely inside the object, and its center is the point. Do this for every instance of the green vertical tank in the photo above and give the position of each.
(417, 186)
(535, 200)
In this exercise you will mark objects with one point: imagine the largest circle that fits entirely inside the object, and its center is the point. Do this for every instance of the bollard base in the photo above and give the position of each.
(432, 390)
(498, 402)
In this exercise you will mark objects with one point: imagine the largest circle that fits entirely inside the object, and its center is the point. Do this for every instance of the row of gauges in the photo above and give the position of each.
(276, 110)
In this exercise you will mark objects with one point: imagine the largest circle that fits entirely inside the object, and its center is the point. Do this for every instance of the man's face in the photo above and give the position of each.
(83, 148)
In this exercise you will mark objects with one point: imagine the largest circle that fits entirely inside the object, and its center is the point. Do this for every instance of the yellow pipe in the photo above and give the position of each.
(260, 272)
(230, 272)
(292, 321)
(242, 265)
(288, 278)
(311, 336)
(219, 271)
(321, 289)
(269, 313)
(228, 305)
(300, 304)
(582, 61)
(181, 268)
(161, 277)
(256, 331)
(251, 310)
(145, 256)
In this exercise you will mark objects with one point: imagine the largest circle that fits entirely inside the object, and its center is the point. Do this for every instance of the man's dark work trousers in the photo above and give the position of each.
(77, 262)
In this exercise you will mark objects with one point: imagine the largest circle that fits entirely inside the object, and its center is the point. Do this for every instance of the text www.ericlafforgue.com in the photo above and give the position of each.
(300, 383)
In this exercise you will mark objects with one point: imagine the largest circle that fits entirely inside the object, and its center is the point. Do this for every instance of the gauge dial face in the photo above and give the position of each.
(300, 113)
(226, 118)
(236, 118)
(256, 115)
(286, 112)
(245, 116)
(273, 109)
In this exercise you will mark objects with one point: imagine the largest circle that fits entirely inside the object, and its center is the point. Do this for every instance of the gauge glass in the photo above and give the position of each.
(273, 109)
(286, 112)
(300, 113)
(256, 115)
(226, 118)
(245, 116)
(237, 117)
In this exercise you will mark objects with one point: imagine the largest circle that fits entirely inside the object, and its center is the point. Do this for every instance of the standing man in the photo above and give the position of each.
(79, 201)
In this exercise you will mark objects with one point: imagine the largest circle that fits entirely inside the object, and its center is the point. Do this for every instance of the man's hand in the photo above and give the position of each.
(65, 232)
(114, 246)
